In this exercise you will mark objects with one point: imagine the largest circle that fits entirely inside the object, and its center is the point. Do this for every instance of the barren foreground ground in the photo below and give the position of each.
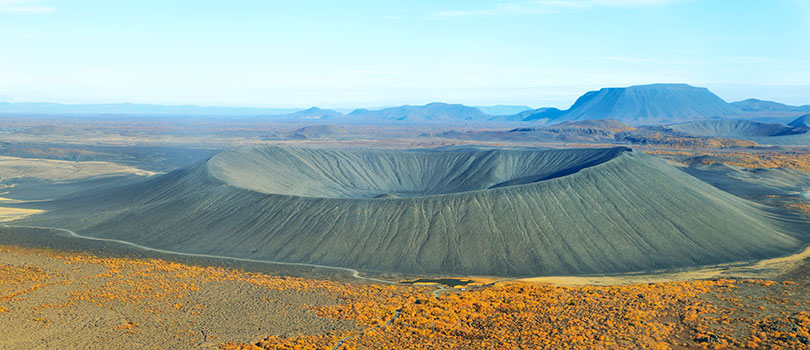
(53, 299)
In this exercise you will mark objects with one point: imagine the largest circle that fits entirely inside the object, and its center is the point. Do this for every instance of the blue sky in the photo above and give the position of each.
(378, 53)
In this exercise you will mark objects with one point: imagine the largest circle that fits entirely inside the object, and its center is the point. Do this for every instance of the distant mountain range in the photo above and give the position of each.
(314, 113)
(541, 114)
(499, 110)
(137, 109)
(431, 112)
(653, 104)
(436, 111)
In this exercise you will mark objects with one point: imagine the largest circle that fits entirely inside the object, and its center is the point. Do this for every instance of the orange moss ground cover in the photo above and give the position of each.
(649, 316)
(798, 161)
(154, 280)
(662, 139)
(802, 206)
(752, 160)
(161, 288)
(713, 314)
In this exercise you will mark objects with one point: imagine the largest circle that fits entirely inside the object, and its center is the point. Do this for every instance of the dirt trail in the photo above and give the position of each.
(354, 273)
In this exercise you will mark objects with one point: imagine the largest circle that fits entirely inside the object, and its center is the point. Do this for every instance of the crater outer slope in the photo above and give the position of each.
(735, 128)
(495, 212)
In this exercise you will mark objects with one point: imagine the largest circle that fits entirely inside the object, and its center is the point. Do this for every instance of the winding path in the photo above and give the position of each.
(354, 273)
(440, 288)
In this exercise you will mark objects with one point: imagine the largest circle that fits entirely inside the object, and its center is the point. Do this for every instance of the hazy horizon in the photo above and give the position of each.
(347, 109)
(358, 54)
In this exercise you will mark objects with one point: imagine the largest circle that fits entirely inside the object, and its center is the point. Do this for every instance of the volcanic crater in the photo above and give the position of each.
(320, 173)
(443, 211)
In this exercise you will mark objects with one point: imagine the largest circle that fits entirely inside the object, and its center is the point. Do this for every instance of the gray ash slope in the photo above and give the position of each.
(481, 212)
(801, 121)
(737, 128)
(762, 133)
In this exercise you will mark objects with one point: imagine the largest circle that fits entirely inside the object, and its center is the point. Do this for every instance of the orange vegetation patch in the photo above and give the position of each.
(713, 314)
(528, 316)
(514, 315)
(663, 139)
(671, 153)
(13, 275)
(751, 160)
(802, 206)
(791, 160)
(160, 287)
(17, 281)
(128, 328)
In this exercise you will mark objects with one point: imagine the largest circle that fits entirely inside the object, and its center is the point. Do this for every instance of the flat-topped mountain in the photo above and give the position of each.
(642, 105)
(476, 212)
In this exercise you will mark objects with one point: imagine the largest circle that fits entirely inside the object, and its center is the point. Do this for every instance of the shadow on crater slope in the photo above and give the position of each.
(481, 212)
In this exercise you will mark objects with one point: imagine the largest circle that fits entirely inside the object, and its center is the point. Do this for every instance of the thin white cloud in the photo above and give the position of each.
(499, 9)
(626, 59)
(533, 7)
(629, 3)
(24, 7)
